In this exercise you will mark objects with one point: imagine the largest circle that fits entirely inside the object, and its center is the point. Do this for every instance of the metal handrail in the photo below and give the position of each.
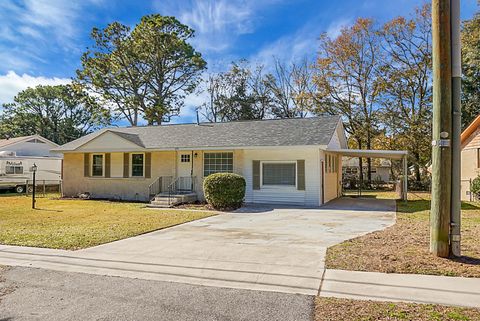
(181, 183)
(159, 185)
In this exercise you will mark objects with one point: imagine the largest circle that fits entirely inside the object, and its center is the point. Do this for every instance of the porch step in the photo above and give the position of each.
(161, 200)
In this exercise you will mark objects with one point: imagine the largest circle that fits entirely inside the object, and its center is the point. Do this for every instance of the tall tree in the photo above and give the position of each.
(471, 70)
(289, 86)
(146, 71)
(348, 82)
(407, 87)
(240, 93)
(60, 113)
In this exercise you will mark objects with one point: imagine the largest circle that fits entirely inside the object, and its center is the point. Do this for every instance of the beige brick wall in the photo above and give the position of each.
(163, 164)
(74, 182)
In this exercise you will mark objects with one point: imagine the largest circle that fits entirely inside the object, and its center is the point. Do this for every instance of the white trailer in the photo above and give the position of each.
(16, 171)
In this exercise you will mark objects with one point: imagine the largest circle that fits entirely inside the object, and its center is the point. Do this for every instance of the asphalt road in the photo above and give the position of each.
(40, 294)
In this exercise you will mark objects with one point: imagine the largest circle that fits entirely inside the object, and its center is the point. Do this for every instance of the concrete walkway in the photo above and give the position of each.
(402, 287)
(259, 248)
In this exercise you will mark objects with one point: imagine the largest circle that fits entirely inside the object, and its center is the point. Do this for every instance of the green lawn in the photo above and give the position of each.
(404, 247)
(76, 224)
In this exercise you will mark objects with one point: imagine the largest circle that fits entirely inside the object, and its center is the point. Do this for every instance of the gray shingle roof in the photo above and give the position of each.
(275, 132)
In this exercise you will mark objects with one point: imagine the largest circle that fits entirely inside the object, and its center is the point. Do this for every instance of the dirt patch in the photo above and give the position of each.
(404, 247)
(333, 309)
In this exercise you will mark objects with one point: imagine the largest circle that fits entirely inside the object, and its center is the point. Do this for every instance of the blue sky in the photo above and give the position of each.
(41, 41)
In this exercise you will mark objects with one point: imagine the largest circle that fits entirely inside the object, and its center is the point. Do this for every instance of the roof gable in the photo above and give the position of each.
(112, 141)
(4, 143)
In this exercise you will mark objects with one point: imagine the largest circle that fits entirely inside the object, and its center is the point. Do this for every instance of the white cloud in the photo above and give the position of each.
(336, 27)
(218, 23)
(11, 84)
(298, 45)
(32, 26)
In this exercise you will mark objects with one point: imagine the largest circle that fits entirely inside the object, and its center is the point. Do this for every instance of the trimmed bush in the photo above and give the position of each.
(224, 191)
(475, 188)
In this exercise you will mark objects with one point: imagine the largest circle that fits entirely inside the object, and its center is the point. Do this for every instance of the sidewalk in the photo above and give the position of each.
(416, 288)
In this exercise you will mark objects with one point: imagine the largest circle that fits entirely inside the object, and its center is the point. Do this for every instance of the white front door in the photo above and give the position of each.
(184, 170)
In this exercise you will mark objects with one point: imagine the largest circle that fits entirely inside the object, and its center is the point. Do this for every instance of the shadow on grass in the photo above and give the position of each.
(415, 206)
(48, 210)
(466, 260)
(470, 206)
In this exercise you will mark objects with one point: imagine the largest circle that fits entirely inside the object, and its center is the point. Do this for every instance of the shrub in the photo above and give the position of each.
(224, 190)
(475, 187)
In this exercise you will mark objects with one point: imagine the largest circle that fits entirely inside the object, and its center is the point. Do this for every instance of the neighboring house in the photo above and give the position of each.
(470, 162)
(17, 155)
(381, 169)
(289, 161)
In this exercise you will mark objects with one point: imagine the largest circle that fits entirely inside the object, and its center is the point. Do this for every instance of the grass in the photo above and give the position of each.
(76, 224)
(404, 247)
(333, 309)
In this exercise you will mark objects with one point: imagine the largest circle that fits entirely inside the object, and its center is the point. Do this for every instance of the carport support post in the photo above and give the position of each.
(405, 178)
(442, 129)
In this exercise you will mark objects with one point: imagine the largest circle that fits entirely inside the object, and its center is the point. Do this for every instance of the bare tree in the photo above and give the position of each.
(347, 81)
(407, 75)
(288, 85)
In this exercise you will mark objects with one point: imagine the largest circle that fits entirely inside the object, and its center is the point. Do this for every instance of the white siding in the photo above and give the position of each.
(284, 194)
(109, 142)
(338, 139)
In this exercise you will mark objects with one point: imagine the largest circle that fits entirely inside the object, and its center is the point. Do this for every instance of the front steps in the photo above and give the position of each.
(161, 200)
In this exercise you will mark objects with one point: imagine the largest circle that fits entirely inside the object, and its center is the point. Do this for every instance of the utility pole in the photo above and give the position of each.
(442, 129)
(445, 211)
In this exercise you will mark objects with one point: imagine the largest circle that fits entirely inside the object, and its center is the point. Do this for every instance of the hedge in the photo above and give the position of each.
(224, 191)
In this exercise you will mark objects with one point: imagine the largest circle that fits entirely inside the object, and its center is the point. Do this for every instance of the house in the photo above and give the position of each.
(381, 169)
(283, 161)
(470, 157)
(17, 155)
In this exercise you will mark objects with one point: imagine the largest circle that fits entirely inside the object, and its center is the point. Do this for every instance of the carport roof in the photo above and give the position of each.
(370, 153)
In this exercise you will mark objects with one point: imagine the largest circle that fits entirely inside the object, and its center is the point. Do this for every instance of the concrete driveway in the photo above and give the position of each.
(257, 248)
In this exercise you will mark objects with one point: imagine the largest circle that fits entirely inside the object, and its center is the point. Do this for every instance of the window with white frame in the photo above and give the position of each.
(185, 158)
(217, 163)
(279, 173)
(137, 165)
(97, 165)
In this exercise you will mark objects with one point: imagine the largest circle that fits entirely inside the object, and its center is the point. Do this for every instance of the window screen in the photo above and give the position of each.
(217, 163)
(278, 174)
(137, 165)
(97, 165)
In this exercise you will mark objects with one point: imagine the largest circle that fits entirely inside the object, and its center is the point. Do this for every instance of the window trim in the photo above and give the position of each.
(215, 152)
(91, 165)
(279, 162)
(131, 165)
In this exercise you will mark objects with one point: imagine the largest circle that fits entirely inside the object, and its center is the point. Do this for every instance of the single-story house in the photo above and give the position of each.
(470, 157)
(381, 169)
(283, 160)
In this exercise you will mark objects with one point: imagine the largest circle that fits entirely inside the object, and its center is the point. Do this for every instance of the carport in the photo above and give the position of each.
(390, 154)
